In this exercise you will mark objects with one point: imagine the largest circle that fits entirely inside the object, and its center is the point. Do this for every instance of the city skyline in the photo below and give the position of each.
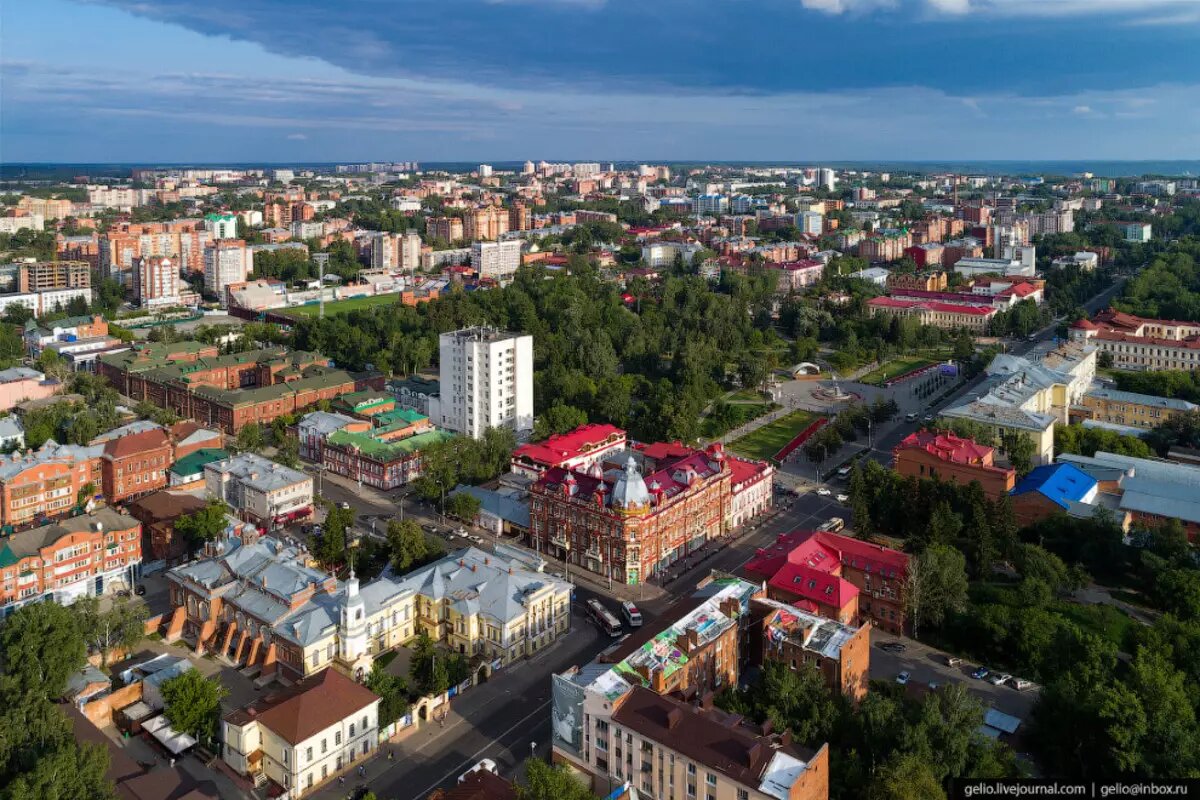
(819, 79)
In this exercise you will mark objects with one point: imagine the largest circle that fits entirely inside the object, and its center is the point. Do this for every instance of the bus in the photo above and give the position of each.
(631, 614)
(604, 618)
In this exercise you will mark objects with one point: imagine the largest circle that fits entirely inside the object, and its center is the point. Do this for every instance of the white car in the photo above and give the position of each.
(903, 677)
(999, 678)
(843, 498)
(824, 492)
(484, 764)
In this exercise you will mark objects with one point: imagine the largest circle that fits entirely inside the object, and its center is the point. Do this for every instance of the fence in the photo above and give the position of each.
(800, 438)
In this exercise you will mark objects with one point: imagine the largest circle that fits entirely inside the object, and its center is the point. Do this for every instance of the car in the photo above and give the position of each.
(845, 471)
(981, 673)
(903, 677)
(953, 661)
(843, 498)
(1020, 684)
(893, 647)
(927, 418)
(910, 417)
(824, 492)
(484, 764)
(832, 525)
(934, 685)
(999, 679)
(140, 590)
(344, 506)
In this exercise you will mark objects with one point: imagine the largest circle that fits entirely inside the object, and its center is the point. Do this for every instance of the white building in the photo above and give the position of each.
(1136, 231)
(971, 267)
(711, 205)
(260, 490)
(496, 259)
(221, 226)
(383, 252)
(810, 222)
(225, 262)
(155, 282)
(486, 381)
(875, 275)
(406, 205)
(408, 251)
(485, 170)
(826, 179)
(1084, 260)
(304, 736)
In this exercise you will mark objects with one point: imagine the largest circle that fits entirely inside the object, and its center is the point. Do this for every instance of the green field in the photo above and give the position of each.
(767, 440)
(341, 306)
(711, 428)
(894, 369)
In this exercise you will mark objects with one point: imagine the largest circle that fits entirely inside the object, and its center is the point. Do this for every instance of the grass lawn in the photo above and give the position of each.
(745, 396)
(1108, 622)
(710, 428)
(341, 306)
(767, 440)
(894, 369)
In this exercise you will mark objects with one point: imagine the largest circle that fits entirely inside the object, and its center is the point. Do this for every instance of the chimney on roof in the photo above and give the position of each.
(753, 752)
(674, 717)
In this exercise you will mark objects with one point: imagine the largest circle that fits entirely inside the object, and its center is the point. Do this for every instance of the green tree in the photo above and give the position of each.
(546, 782)
(193, 704)
(936, 586)
(463, 506)
(250, 438)
(406, 544)
(393, 694)
(42, 646)
(288, 452)
(558, 418)
(330, 549)
(1019, 449)
(944, 524)
(203, 525)
(119, 628)
(860, 502)
(906, 776)
(428, 667)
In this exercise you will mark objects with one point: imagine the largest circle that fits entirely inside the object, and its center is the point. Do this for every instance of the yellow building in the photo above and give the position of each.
(1129, 408)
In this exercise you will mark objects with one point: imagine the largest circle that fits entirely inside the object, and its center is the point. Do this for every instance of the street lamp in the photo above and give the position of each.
(533, 749)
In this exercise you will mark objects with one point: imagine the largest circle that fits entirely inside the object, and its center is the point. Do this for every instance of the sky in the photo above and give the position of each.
(148, 81)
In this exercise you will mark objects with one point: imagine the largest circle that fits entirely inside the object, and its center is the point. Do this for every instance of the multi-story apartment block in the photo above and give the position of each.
(84, 247)
(520, 217)
(155, 281)
(221, 226)
(135, 464)
(304, 736)
(448, 229)
(47, 483)
(226, 261)
(383, 252)
(48, 208)
(836, 577)
(260, 490)
(183, 241)
(1129, 409)
(802, 640)
(946, 457)
(47, 275)
(498, 260)
(87, 555)
(576, 450)
(488, 223)
(408, 251)
(1138, 343)
(885, 246)
(486, 381)
(629, 521)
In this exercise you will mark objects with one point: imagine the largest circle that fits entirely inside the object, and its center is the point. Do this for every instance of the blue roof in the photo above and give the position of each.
(1058, 482)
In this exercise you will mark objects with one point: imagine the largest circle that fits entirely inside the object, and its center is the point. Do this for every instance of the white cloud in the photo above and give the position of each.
(1081, 110)
(297, 137)
(950, 6)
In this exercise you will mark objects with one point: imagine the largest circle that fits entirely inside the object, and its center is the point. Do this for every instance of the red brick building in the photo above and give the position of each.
(135, 464)
(946, 457)
(836, 577)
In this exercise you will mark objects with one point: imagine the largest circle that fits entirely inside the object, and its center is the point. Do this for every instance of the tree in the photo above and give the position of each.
(964, 347)
(427, 668)
(68, 770)
(204, 525)
(558, 418)
(936, 586)
(860, 502)
(288, 452)
(330, 549)
(393, 694)
(464, 506)
(1178, 592)
(42, 647)
(944, 524)
(119, 628)
(406, 544)
(906, 776)
(1019, 449)
(546, 782)
(193, 704)
(250, 438)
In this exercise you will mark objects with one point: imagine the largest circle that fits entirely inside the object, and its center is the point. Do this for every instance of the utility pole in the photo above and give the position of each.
(322, 259)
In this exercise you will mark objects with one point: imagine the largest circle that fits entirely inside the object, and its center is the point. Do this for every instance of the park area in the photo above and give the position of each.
(768, 440)
(894, 368)
(340, 306)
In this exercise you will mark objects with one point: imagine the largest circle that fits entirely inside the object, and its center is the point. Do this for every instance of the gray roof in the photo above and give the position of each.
(992, 414)
(48, 453)
(1173, 500)
(1116, 395)
(323, 423)
(498, 504)
(20, 374)
(261, 474)
(30, 542)
(137, 426)
(11, 426)
(630, 489)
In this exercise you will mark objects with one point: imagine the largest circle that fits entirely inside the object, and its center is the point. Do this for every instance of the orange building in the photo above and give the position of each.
(47, 483)
(448, 229)
(801, 640)
(85, 555)
(946, 457)
(487, 223)
(135, 464)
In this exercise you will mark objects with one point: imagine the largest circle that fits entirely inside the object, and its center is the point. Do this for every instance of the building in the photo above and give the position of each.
(950, 316)
(486, 381)
(711, 205)
(638, 512)
(260, 490)
(43, 276)
(499, 260)
(1129, 409)
(416, 393)
(408, 251)
(487, 223)
(447, 229)
(810, 223)
(226, 261)
(922, 281)
(1138, 343)
(221, 226)
(945, 457)
(373, 457)
(885, 246)
(576, 450)
(230, 391)
(155, 282)
(1084, 260)
(1053, 489)
(135, 464)
(383, 252)
(1148, 491)
(12, 433)
(1140, 232)
(86, 555)
(38, 337)
(800, 640)
(836, 577)
(972, 267)
(305, 735)
(875, 275)
(158, 513)
(50, 482)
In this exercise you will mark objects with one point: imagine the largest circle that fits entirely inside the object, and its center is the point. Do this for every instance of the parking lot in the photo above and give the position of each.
(925, 664)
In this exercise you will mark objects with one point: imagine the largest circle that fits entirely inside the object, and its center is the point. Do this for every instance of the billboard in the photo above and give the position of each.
(949, 368)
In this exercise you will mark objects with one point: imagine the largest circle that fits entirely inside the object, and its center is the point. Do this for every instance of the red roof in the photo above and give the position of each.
(814, 585)
(566, 446)
(135, 443)
(744, 470)
(1019, 289)
(947, 447)
(931, 305)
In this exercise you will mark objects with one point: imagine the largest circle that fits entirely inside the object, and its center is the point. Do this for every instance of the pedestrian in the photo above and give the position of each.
(341, 780)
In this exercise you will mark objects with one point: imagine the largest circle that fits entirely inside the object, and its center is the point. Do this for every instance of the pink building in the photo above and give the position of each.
(19, 384)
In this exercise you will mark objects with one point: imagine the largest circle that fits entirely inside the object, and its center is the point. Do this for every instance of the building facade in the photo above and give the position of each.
(260, 490)
(1139, 343)
(499, 260)
(226, 261)
(486, 381)
(943, 456)
(155, 281)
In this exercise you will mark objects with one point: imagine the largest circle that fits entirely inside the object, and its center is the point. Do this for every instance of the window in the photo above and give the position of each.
(742, 794)
(285, 756)
(337, 737)
(364, 723)
(691, 769)
(308, 754)
(351, 730)
(710, 779)
(324, 746)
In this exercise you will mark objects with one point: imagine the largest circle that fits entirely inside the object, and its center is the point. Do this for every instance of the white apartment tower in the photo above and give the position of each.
(383, 252)
(155, 281)
(496, 259)
(486, 381)
(226, 261)
(408, 251)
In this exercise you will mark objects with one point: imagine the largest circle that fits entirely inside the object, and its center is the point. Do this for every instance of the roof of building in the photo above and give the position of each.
(312, 705)
(28, 543)
(1061, 483)
(1134, 398)
(932, 305)
(162, 505)
(949, 447)
(1004, 416)
(20, 374)
(715, 740)
(194, 463)
(323, 423)
(478, 785)
(385, 449)
(137, 443)
(566, 446)
(137, 426)
(814, 633)
(499, 504)
(257, 472)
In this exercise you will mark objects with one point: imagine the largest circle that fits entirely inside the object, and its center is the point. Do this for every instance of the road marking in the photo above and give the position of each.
(472, 760)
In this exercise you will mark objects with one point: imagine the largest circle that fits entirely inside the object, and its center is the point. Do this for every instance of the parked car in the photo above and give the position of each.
(344, 506)
(934, 685)
(910, 417)
(484, 764)
(824, 492)
(1020, 684)
(832, 525)
(845, 471)
(981, 673)
(903, 677)
(139, 590)
(893, 647)
(927, 418)
(953, 661)
(843, 498)
(999, 678)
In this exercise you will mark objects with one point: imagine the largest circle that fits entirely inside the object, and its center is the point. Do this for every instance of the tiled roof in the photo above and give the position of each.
(137, 443)
(309, 707)
(565, 446)
(948, 447)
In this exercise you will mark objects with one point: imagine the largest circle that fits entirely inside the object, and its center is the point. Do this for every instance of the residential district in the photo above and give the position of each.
(557, 481)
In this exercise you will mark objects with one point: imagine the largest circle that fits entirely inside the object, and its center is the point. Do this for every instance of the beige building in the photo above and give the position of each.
(1129, 408)
(259, 489)
(305, 735)
(1137, 343)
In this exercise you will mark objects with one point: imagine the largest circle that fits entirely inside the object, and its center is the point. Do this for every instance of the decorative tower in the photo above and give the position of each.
(352, 631)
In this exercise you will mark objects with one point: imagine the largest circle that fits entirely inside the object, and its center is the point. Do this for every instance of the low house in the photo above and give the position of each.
(1051, 489)
(501, 512)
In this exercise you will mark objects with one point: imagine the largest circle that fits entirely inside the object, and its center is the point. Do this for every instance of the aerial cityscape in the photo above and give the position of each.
(573, 400)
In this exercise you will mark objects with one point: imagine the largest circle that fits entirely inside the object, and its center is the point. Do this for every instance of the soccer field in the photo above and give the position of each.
(340, 306)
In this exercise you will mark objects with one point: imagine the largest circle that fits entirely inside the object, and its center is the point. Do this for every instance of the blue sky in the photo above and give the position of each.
(322, 80)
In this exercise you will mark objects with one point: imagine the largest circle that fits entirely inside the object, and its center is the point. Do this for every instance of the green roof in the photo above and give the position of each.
(194, 462)
(366, 444)
(398, 418)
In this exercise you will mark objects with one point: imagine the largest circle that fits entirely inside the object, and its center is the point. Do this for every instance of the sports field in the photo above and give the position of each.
(340, 306)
